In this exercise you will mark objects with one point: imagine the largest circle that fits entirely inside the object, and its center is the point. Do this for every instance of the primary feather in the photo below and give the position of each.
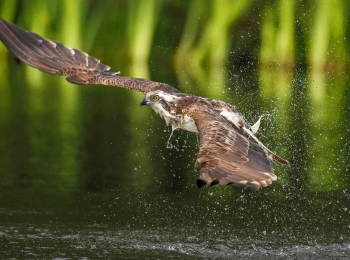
(226, 156)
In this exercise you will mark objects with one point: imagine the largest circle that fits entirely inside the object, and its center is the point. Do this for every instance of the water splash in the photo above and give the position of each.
(168, 144)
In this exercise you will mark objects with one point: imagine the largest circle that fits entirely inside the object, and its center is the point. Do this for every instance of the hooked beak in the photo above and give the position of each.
(144, 102)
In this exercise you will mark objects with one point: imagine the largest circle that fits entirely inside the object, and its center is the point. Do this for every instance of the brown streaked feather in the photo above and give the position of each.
(226, 157)
(78, 67)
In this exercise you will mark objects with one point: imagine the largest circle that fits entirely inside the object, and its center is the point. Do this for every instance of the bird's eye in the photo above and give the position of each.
(156, 98)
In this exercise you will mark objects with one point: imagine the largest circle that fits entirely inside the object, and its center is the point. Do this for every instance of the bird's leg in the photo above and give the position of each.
(168, 144)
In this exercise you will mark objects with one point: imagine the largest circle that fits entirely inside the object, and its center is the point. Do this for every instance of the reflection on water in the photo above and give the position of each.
(85, 172)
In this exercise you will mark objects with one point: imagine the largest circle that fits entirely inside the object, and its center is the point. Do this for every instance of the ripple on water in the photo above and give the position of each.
(94, 242)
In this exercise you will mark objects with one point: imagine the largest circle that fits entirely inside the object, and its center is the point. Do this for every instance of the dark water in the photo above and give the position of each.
(85, 174)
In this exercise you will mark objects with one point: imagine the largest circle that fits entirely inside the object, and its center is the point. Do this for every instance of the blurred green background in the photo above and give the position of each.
(71, 149)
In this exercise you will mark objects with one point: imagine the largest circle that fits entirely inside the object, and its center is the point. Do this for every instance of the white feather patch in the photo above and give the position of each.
(167, 97)
(233, 117)
(158, 108)
(188, 124)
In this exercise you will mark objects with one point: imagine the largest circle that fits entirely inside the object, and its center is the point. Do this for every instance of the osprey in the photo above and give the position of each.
(226, 155)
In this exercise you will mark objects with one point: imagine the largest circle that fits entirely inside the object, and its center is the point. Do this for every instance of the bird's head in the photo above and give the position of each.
(161, 102)
(158, 98)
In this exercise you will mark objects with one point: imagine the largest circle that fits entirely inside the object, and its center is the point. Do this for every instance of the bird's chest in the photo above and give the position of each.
(184, 122)
(175, 117)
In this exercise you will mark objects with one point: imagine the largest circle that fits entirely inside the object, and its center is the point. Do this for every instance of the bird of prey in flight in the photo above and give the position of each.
(229, 153)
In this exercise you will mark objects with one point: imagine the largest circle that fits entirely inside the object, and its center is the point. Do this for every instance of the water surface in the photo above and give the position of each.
(85, 172)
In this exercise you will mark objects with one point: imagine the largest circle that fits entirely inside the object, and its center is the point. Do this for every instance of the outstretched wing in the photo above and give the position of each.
(226, 157)
(77, 66)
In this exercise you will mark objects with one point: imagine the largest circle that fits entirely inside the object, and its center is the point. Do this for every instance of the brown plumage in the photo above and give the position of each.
(78, 67)
(226, 156)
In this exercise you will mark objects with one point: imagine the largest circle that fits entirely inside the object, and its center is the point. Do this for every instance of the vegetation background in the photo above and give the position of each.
(67, 148)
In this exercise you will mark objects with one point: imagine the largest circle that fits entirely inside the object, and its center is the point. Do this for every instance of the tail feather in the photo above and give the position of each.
(280, 160)
(274, 157)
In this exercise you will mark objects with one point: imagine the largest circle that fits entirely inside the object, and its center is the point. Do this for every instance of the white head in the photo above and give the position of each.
(162, 103)
(156, 97)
